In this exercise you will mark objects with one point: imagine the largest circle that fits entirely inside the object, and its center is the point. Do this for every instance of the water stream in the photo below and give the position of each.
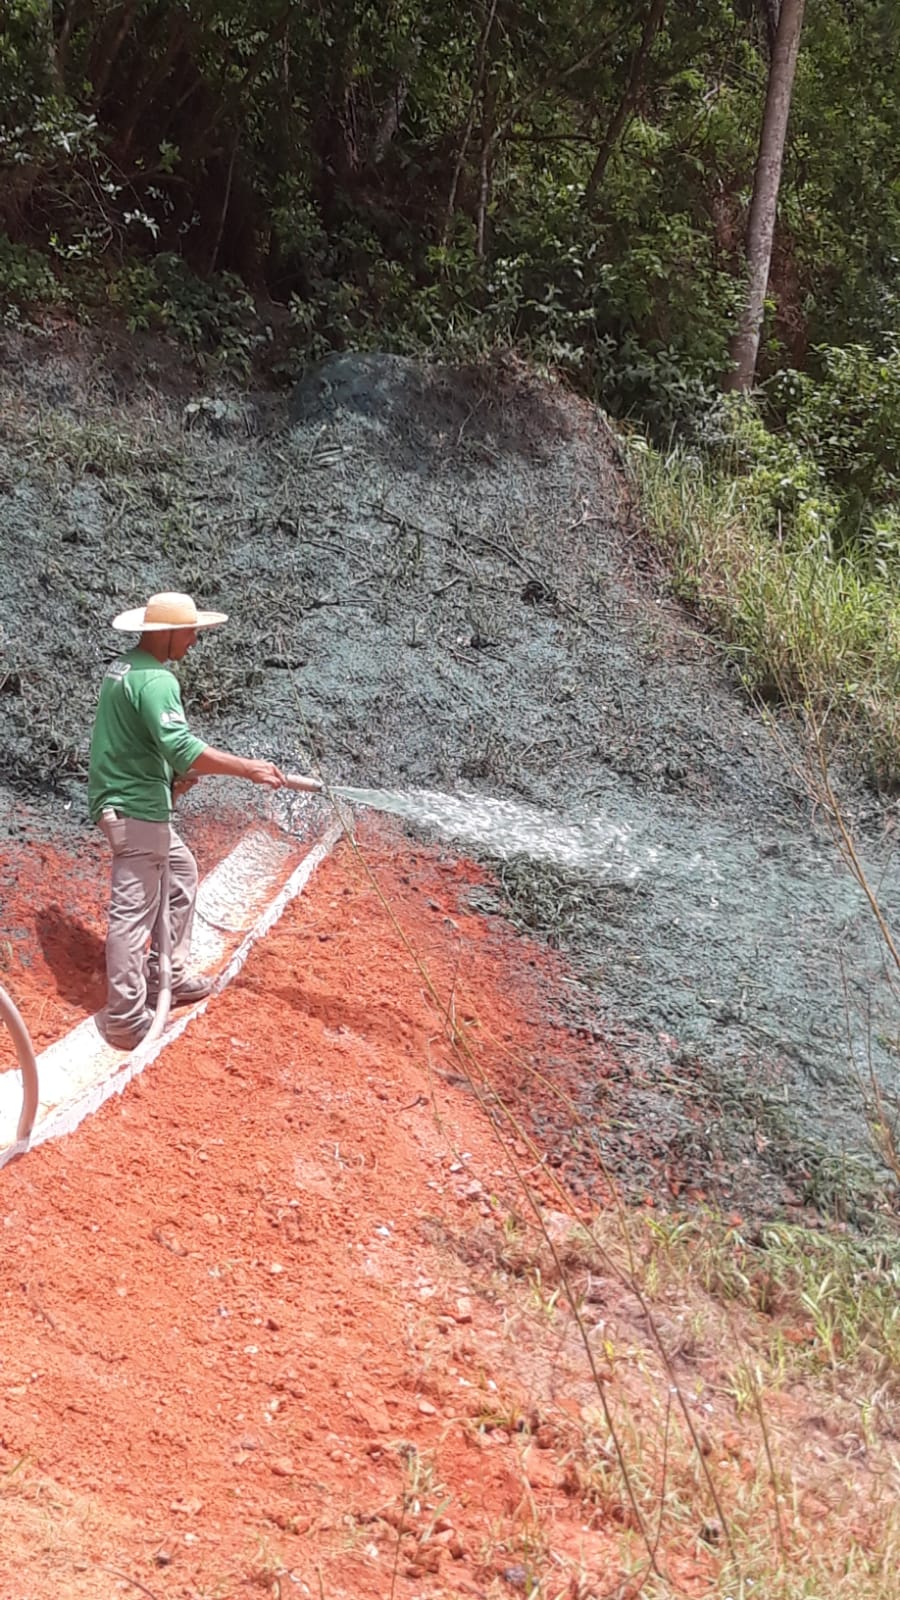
(757, 950)
(507, 828)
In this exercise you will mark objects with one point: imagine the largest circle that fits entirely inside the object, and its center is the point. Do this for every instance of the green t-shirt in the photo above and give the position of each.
(140, 740)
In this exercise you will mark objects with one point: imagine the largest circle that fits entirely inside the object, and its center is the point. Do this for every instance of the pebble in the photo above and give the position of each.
(515, 1576)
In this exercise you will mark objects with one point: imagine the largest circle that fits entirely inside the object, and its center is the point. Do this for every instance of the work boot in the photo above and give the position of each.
(125, 1038)
(185, 991)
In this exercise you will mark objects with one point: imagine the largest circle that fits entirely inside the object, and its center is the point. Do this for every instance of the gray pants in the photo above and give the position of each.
(139, 850)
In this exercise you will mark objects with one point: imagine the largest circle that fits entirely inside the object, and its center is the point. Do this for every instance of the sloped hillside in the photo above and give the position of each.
(437, 581)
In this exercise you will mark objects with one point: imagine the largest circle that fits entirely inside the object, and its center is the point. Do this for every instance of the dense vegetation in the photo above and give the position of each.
(271, 181)
(572, 175)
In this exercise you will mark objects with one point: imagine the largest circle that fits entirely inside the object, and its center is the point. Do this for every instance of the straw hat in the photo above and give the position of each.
(164, 612)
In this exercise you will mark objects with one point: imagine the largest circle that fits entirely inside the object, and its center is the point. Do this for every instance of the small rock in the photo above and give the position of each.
(516, 1576)
(374, 1415)
(427, 1409)
(558, 1226)
(426, 1559)
(163, 1558)
(283, 1467)
(539, 1469)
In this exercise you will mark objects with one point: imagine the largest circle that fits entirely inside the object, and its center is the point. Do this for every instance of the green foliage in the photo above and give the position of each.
(417, 177)
(776, 478)
(214, 317)
(841, 194)
(564, 302)
(818, 457)
(809, 626)
(26, 281)
(848, 419)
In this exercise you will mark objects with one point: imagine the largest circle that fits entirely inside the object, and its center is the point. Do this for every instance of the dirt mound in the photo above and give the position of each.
(419, 414)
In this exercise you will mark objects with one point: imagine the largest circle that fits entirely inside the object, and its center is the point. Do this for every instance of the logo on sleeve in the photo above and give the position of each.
(172, 719)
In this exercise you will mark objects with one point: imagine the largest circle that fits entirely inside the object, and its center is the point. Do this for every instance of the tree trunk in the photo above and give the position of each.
(54, 61)
(628, 101)
(764, 205)
(65, 32)
(480, 63)
(106, 54)
(769, 11)
(143, 92)
(392, 110)
(486, 168)
(226, 201)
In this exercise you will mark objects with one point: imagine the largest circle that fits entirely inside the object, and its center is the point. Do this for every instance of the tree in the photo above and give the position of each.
(766, 183)
(628, 101)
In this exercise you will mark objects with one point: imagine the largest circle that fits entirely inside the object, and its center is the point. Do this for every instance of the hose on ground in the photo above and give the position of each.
(27, 1064)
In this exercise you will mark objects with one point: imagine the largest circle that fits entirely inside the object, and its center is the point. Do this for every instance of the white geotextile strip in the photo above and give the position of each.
(85, 1039)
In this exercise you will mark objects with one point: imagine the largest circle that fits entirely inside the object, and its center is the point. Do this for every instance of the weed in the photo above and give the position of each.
(805, 626)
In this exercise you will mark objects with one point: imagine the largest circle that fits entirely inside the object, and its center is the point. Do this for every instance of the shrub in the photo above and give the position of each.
(214, 317)
(26, 280)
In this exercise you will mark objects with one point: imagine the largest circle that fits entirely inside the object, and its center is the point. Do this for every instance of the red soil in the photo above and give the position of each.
(271, 1323)
(237, 1337)
(53, 911)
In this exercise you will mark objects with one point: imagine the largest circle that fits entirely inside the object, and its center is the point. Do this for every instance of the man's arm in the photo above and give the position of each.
(221, 764)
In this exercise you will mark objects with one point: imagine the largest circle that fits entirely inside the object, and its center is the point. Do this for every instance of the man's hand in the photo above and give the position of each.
(264, 772)
(181, 785)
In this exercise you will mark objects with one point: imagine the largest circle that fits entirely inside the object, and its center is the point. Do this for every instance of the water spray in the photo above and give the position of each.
(377, 799)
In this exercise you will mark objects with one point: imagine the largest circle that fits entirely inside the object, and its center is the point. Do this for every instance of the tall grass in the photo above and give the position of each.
(813, 629)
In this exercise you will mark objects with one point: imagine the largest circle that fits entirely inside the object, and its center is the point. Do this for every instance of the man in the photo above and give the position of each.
(141, 748)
